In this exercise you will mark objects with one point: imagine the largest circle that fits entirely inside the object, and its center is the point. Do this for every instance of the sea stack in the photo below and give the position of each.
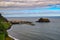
(43, 20)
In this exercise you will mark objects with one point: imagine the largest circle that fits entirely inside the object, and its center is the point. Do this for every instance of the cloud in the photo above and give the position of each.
(19, 3)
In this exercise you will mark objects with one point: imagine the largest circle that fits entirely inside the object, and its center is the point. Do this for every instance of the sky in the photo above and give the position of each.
(28, 3)
(30, 7)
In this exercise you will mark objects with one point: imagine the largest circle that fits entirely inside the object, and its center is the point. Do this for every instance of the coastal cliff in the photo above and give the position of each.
(4, 26)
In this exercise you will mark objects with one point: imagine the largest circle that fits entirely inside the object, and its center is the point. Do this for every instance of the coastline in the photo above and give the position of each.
(13, 37)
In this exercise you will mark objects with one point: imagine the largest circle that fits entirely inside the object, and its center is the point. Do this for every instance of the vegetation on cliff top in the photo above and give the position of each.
(4, 25)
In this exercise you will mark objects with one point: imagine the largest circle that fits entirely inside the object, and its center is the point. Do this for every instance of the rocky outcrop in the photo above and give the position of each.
(21, 22)
(43, 20)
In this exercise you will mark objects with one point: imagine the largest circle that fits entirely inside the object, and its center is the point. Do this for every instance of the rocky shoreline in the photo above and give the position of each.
(21, 22)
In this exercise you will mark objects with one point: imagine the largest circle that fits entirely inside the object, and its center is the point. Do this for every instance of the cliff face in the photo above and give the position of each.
(4, 22)
(4, 25)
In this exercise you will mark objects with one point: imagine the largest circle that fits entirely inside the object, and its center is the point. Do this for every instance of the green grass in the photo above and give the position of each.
(4, 26)
(2, 36)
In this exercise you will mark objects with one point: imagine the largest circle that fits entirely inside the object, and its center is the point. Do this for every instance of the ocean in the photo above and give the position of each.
(41, 31)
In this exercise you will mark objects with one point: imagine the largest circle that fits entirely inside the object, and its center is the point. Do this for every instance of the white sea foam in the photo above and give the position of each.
(13, 37)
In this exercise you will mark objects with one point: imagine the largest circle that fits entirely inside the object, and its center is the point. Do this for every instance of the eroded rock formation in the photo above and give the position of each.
(43, 20)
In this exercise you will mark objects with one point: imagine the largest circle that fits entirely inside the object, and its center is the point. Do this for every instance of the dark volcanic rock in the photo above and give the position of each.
(43, 20)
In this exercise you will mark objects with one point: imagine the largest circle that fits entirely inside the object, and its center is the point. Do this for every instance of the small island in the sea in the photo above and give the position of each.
(43, 20)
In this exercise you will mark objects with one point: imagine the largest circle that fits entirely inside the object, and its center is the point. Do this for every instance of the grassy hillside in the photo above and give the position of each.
(4, 26)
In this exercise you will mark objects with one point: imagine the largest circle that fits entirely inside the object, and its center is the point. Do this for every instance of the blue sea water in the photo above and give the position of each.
(41, 31)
